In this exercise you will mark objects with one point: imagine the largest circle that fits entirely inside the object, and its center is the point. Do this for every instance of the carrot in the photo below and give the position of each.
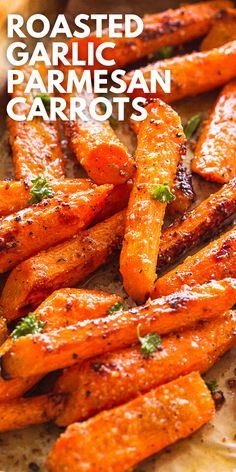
(116, 201)
(62, 308)
(96, 146)
(67, 306)
(41, 353)
(64, 265)
(168, 28)
(198, 224)
(215, 151)
(22, 412)
(215, 261)
(3, 330)
(47, 223)
(116, 378)
(182, 186)
(222, 31)
(182, 190)
(15, 195)
(160, 144)
(189, 72)
(35, 144)
(130, 433)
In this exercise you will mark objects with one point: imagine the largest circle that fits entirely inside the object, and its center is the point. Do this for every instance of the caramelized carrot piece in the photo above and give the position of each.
(116, 201)
(3, 330)
(15, 195)
(189, 72)
(47, 223)
(62, 308)
(215, 261)
(167, 28)
(35, 144)
(68, 306)
(130, 433)
(116, 378)
(41, 353)
(160, 144)
(22, 412)
(64, 265)
(216, 149)
(96, 146)
(198, 224)
(182, 186)
(222, 31)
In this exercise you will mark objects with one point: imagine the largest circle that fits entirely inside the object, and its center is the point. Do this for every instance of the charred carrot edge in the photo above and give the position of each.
(50, 222)
(22, 412)
(15, 195)
(215, 261)
(198, 224)
(215, 151)
(64, 265)
(35, 144)
(3, 330)
(156, 420)
(41, 353)
(168, 28)
(116, 378)
(222, 31)
(189, 72)
(62, 308)
(182, 190)
(161, 141)
(96, 146)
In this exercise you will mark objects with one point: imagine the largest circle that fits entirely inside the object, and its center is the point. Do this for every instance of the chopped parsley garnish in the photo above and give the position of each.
(165, 52)
(28, 325)
(212, 385)
(162, 193)
(46, 99)
(118, 306)
(41, 189)
(192, 126)
(149, 343)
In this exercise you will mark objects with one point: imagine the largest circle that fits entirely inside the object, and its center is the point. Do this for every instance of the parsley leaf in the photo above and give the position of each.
(212, 385)
(162, 193)
(46, 99)
(28, 325)
(165, 52)
(149, 343)
(118, 306)
(41, 189)
(192, 125)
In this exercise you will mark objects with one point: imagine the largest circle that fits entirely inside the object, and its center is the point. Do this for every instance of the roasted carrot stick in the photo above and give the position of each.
(68, 306)
(198, 224)
(64, 265)
(216, 149)
(47, 223)
(116, 201)
(182, 186)
(23, 412)
(130, 433)
(116, 378)
(41, 353)
(62, 308)
(189, 72)
(215, 261)
(160, 144)
(15, 195)
(96, 146)
(35, 144)
(222, 31)
(168, 28)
